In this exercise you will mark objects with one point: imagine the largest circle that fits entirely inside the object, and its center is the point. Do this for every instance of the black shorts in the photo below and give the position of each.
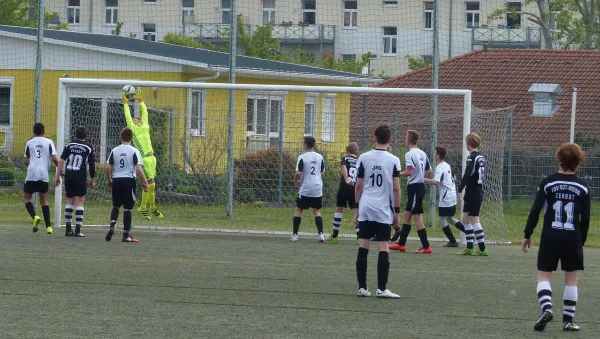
(472, 204)
(569, 254)
(305, 203)
(369, 229)
(415, 194)
(345, 197)
(75, 187)
(35, 187)
(123, 193)
(447, 211)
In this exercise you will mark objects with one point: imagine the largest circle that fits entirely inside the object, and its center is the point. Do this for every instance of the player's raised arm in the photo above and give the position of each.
(585, 217)
(139, 97)
(127, 112)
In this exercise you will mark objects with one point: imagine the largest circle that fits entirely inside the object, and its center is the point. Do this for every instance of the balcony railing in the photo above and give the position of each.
(527, 37)
(287, 33)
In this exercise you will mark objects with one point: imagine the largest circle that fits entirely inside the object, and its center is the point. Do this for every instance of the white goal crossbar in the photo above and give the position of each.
(63, 83)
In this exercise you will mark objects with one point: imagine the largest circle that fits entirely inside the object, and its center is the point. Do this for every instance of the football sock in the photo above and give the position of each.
(383, 270)
(152, 196)
(361, 267)
(297, 221)
(404, 234)
(126, 223)
(30, 209)
(114, 215)
(570, 301)
(337, 222)
(78, 219)
(319, 223)
(479, 236)
(46, 212)
(459, 225)
(423, 236)
(469, 235)
(145, 199)
(68, 214)
(544, 292)
(448, 233)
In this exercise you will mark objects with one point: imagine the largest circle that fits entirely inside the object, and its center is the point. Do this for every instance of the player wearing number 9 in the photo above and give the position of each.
(72, 165)
(565, 228)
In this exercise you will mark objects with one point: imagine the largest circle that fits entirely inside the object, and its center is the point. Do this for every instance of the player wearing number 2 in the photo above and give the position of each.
(565, 199)
(76, 155)
(345, 194)
(309, 169)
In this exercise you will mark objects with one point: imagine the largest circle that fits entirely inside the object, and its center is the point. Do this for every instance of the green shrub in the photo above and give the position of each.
(7, 177)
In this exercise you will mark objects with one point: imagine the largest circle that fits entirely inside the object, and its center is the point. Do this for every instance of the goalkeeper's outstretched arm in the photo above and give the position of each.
(127, 112)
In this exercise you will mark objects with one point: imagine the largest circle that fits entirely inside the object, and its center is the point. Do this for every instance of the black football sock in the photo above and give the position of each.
(448, 233)
(337, 222)
(383, 270)
(30, 209)
(46, 212)
(126, 223)
(297, 221)
(423, 236)
(114, 215)
(404, 234)
(460, 226)
(361, 267)
(319, 223)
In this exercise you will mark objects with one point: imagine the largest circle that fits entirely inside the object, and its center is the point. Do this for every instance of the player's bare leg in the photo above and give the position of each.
(337, 222)
(78, 202)
(401, 234)
(544, 293)
(319, 224)
(570, 297)
(296, 223)
(69, 209)
(46, 212)
(422, 232)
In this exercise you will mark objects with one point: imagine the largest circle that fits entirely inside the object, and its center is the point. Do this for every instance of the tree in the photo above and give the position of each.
(16, 13)
(184, 40)
(415, 63)
(261, 43)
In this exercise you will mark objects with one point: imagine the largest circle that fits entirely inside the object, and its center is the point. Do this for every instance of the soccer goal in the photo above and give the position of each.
(217, 158)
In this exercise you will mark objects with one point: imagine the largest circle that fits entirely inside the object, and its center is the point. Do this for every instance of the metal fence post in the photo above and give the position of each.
(280, 183)
(363, 141)
(231, 113)
(434, 107)
(171, 142)
(510, 150)
(395, 141)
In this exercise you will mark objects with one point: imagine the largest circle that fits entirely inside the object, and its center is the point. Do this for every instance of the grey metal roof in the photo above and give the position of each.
(216, 59)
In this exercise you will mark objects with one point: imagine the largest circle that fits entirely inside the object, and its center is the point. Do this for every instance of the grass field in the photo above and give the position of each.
(201, 285)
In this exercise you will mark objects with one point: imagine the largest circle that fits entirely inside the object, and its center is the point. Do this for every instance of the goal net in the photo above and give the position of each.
(230, 167)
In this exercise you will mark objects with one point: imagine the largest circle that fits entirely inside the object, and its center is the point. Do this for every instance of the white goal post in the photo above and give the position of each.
(65, 83)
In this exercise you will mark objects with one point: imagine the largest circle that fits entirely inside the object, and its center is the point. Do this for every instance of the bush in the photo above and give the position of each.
(7, 177)
(209, 188)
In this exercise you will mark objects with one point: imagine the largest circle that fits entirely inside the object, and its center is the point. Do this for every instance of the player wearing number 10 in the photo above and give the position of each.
(75, 156)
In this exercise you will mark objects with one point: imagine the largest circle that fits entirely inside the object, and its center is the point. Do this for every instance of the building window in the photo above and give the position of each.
(428, 58)
(226, 12)
(472, 14)
(390, 3)
(328, 127)
(150, 1)
(350, 13)
(73, 11)
(112, 11)
(149, 32)
(5, 104)
(268, 11)
(309, 12)
(390, 40)
(428, 14)
(310, 114)
(198, 114)
(187, 11)
(262, 115)
(348, 57)
(513, 15)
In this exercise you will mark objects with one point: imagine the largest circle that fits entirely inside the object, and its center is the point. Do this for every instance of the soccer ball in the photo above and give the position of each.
(129, 91)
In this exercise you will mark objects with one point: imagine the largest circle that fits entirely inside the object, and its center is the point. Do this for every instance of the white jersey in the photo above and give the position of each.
(419, 162)
(311, 165)
(377, 168)
(124, 159)
(443, 175)
(39, 150)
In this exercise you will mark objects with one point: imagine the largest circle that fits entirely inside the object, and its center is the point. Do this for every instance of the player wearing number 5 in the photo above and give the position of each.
(143, 143)
(345, 194)
(309, 169)
(72, 165)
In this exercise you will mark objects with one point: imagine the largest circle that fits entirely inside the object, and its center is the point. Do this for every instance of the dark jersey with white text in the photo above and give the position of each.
(565, 199)
(77, 154)
(474, 176)
(350, 163)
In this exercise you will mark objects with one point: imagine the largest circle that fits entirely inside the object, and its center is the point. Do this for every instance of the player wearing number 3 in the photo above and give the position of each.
(143, 143)
(75, 156)
(345, 194)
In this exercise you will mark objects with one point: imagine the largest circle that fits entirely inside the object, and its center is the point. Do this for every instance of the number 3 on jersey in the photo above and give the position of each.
(569, 210)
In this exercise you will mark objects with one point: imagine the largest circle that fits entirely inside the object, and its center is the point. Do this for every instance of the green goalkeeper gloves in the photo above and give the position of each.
(138, 94)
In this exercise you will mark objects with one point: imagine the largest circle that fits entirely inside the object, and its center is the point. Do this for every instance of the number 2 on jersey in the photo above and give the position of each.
(312, 170)
(569, 209)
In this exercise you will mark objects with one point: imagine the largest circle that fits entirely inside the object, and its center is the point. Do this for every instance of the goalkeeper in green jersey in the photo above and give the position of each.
(141, 141)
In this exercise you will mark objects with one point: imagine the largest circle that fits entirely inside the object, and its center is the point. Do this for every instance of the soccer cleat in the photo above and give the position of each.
(157, 214)
(570, 327)
(396, 235)
(321, 238)
(333, 240)
(480, 253)
(109, 234)
(451, 244)
(357, 241)
(144, 213)
(36, 223)
(129, 239)
(294, 237)
(49, 230)
(398, 247)
(424, 250)
(387, 294)
(546, 317)
(363, 292)
(466, 251)
(79, 235)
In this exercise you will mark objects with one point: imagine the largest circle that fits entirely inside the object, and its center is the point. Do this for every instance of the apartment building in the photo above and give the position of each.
(389, 29)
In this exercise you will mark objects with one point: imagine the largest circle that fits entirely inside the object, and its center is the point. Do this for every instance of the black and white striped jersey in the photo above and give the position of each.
(474, 176)
(78, 155)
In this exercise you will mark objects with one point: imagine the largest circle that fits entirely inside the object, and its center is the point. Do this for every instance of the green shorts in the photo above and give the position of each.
(149, 167)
